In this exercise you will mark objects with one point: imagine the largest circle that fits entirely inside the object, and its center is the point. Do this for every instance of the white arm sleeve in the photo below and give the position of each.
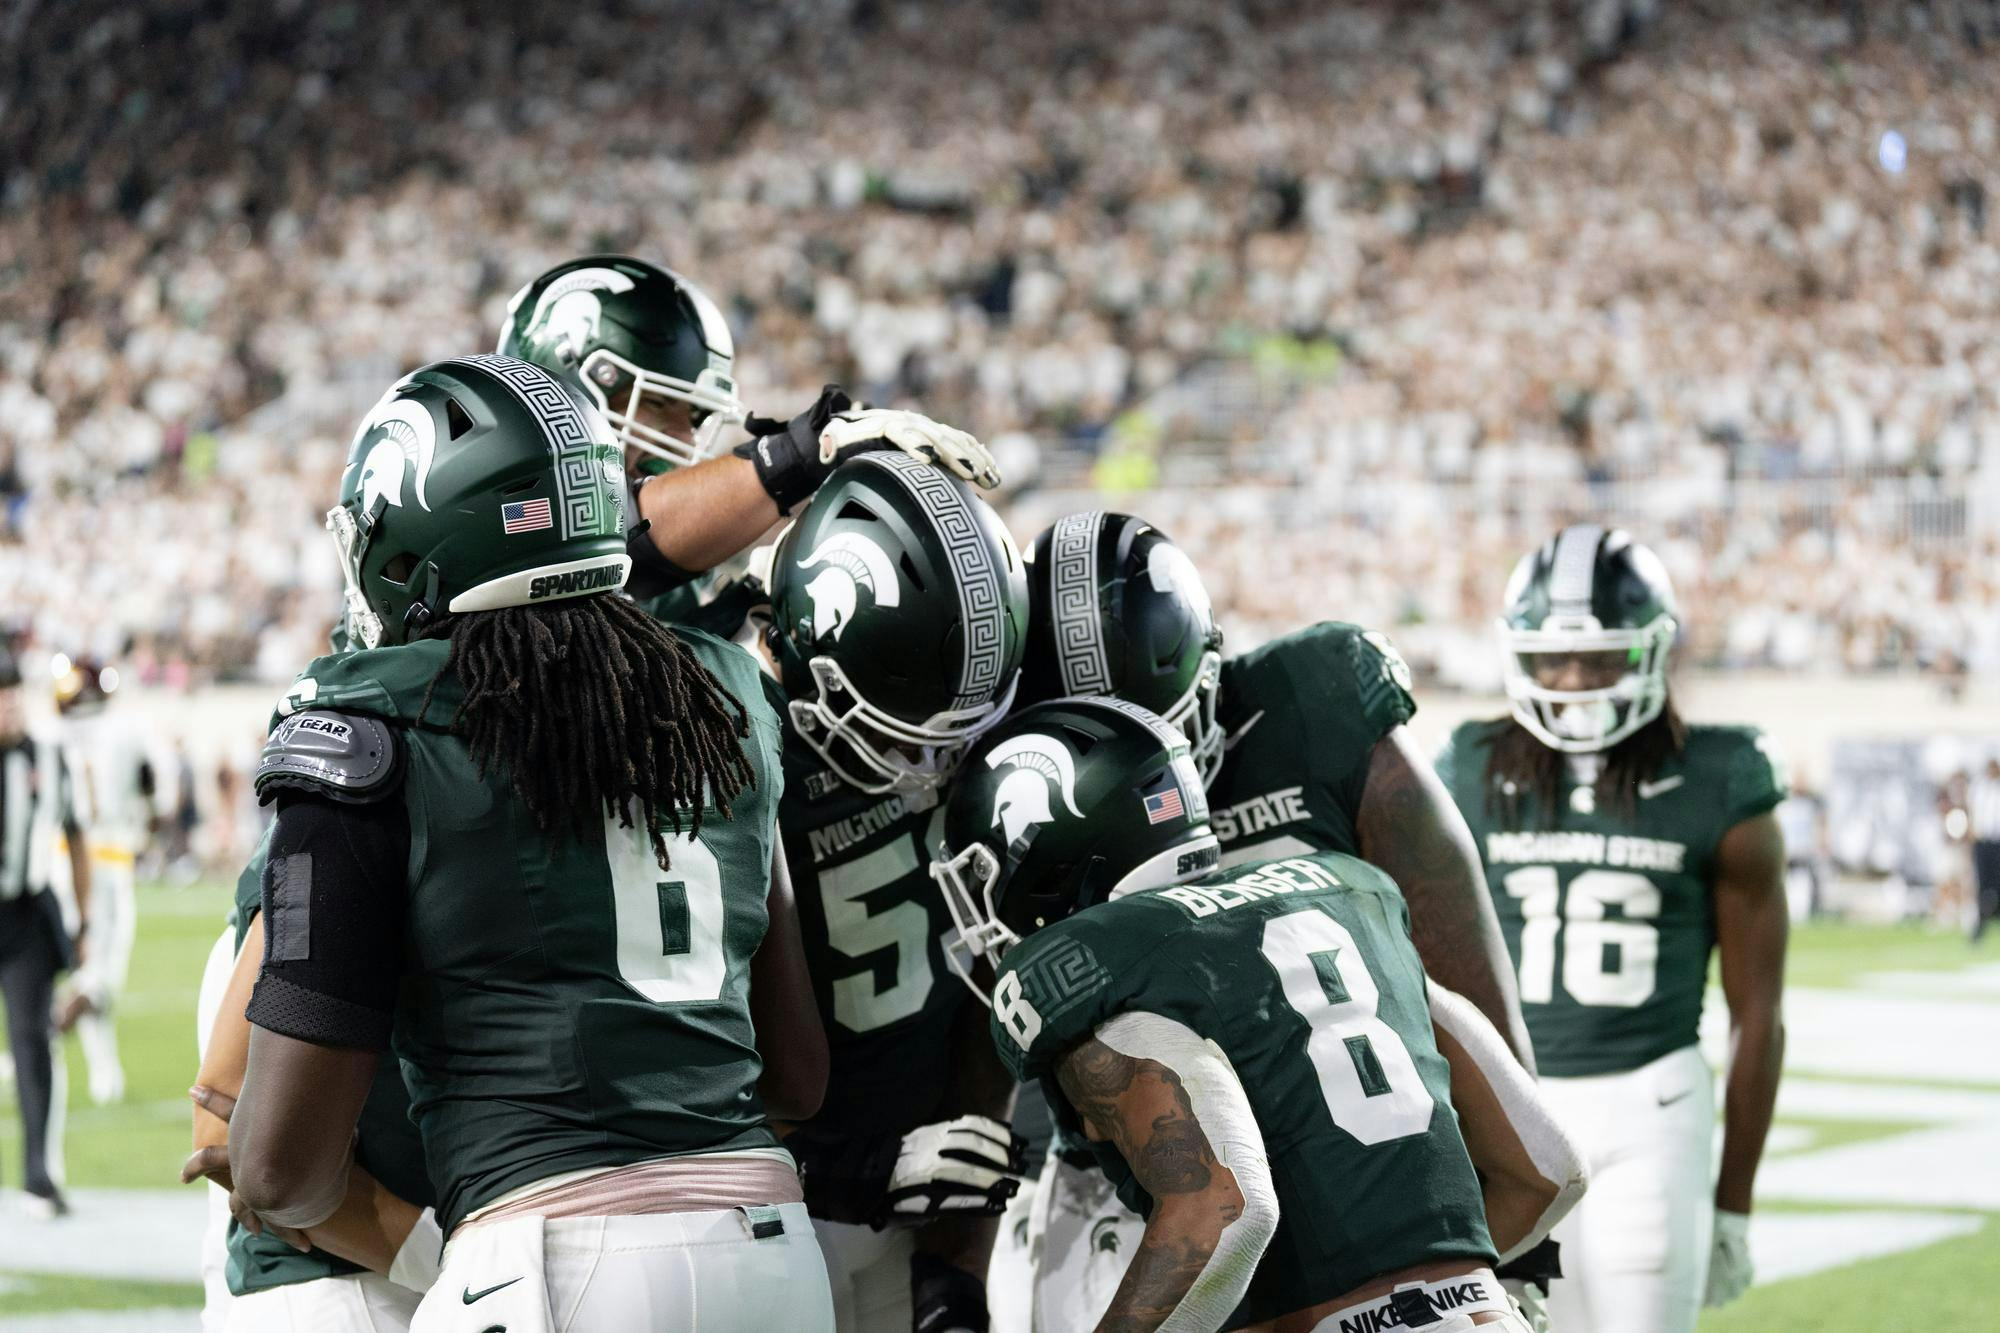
(1223, 1110)
(1547, 1144)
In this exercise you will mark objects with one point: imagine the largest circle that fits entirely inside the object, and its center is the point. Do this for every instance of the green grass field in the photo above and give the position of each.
(140, 1144)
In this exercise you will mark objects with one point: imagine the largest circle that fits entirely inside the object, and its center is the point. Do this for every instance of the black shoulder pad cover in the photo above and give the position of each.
(341, 756)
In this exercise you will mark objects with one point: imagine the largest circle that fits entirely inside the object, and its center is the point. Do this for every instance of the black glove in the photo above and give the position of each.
(1541, 1265)
(786, 454)
(945, 1298)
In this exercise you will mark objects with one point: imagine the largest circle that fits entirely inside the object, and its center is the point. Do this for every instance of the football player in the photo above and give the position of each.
(1249, 1052)
(1302, 747)
(1621, 846)
(369, 1265)
(898, 611)
(116, 786)
(526, 832)
(655, 353)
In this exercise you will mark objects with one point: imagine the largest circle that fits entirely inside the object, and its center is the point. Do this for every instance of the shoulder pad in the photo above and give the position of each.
(347, 757)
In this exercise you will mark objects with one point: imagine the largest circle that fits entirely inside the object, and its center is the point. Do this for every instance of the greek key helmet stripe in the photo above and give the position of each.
(980, 605)
(580, 489)
(1073, 600)
(1571, 567)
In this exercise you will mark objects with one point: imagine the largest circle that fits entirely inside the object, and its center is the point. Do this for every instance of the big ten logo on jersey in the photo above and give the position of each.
(1273, 809)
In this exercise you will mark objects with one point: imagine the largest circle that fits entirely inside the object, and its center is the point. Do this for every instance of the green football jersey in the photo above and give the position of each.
(1302, 714)
(1610, 917)
(386, 1144)
(1302, 971)
(566, 1004)
(874, 926)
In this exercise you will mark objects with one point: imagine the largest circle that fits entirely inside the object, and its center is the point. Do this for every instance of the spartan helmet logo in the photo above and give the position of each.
(409, 436)
(568, 313)
(1023, 798)
(851, 560)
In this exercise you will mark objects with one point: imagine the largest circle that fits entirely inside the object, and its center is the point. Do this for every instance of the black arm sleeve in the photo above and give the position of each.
(334, 898)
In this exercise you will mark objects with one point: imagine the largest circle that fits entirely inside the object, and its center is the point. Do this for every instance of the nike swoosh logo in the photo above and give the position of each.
(1682, 1095)
(471, 1295)
(1648, 790)
(1229, 741)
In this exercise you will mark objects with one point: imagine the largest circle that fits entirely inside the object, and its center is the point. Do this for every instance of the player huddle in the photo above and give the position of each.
(659, 879)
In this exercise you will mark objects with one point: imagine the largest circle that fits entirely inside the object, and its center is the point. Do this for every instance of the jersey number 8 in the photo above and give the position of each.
(1371, 1085)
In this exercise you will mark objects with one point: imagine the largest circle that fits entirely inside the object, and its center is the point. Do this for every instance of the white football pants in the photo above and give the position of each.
(1010, 1274)
(870, 1274)
(1080, 1239)
(705, 1271)
(114, 924)
(355, 1303)
(1635, 1251)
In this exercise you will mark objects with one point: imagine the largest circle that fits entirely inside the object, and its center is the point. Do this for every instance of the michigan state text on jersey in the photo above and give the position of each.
(1623, 848)
(1301, 970)
(1228, 1041)
(897, 617)
(1609, 909)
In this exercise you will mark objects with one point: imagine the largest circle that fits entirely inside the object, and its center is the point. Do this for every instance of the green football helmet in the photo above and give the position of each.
(899, 607)
(476, 483)
(628, 331)
(1116, 608)
(1064, 805)
(1587, 628)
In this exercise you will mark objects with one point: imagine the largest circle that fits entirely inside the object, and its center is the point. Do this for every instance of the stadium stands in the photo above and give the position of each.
(1366, 299)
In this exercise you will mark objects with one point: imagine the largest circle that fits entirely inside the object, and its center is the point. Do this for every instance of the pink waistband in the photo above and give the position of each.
(665, 1185)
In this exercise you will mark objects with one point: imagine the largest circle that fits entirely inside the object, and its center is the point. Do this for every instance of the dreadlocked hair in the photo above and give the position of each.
(1515, 756)
(590, 706)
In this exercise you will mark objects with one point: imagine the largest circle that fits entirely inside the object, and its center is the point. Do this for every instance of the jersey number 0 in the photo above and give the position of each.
(669, 930)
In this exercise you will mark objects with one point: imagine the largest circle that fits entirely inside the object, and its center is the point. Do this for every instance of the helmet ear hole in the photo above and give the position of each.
(456, 418)
(909, 568)
(400, 567)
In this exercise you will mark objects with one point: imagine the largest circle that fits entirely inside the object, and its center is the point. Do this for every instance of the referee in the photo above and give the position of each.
(35, 802)
(1984, 798)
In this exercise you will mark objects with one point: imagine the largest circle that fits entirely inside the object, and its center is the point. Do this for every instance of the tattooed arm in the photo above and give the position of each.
(1409, 827)
(1172, 1106)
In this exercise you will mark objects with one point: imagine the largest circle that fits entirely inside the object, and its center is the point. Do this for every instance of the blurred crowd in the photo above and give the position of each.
(1484, 266)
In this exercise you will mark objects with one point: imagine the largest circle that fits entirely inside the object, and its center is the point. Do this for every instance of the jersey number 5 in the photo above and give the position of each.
(1371, 1086)
(669, 930)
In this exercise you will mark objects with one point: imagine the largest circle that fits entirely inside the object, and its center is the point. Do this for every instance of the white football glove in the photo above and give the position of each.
(968, 1165)
(1729, 1271)
(1530, 1301)
(915, 434)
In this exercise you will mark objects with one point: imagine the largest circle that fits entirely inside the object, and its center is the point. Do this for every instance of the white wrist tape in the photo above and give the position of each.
(1542, 1137)
(1223, 1111)
(422, 1255)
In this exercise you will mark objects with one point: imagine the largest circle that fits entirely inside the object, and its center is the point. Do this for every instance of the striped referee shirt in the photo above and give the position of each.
(35, 804)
